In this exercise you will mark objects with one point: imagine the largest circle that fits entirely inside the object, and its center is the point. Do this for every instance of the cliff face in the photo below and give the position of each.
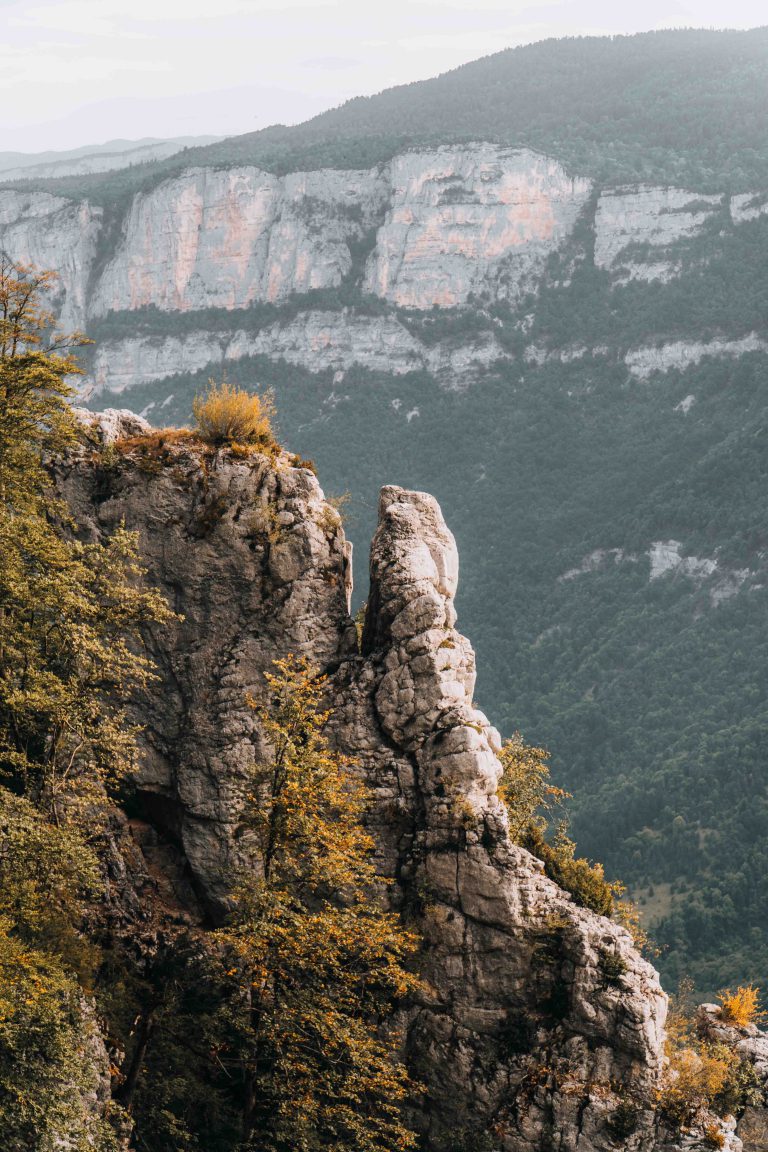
(443, 227)
(316, 341)
(50, 232)
(520, 1030)
(223, 239)
(471, 220)
(651, 217)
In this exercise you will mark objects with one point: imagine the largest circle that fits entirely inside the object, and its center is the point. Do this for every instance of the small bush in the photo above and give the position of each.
(226, 414)
(623, 1122)
(694, 1080)
(741, 1007)
(613, 967)
(714, 1136)
(585, 881)
(701, 1077)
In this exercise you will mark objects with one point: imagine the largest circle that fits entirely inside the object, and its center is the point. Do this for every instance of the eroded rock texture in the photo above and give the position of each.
(254, 561)
(213, 238)
(537, 1018)
(315, 341)
(520, 1031)
(472, 219)
(51, 232)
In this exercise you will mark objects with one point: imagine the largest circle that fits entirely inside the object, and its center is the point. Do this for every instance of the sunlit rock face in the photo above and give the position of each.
(452, 222)
(226, 238)
(473, 219)
(49, 232)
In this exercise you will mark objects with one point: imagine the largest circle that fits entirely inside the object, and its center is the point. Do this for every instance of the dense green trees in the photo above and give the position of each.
(684, 107)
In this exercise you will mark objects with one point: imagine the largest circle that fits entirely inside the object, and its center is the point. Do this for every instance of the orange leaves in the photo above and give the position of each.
(230, 415)
(741, 1007)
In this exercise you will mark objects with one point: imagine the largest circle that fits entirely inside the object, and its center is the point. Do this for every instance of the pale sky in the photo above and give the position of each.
(75, 72)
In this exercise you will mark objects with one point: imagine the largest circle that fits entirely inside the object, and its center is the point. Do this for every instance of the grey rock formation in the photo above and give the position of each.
(537, 1017)
(647, 215)
(225, 238)
(50, 232)
(683, 354)
(520, 1031)
(748, 206)
(451, 221)
(113, 424)
(315, 341)
(468, 219)
(254, 560)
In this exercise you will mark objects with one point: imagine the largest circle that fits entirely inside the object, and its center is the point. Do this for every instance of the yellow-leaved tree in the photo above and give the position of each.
(70, 613)
(70, 653)
(316, 960)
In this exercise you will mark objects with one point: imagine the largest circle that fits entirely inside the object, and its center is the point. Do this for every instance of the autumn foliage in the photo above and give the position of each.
(70, 655)
(741, 1007)
(317, 961)
(226, 414)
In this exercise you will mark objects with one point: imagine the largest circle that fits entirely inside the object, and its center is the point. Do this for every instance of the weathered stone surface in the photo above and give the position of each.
(647, 215)
(519, 1029)
(112, 424)
(506, 952)
(225, 238)
(50, 232)
(468, 219)
(753, 1130)
(683, 354)
(537, 1019)
(748, 206)
(315, 341)
(251, 556)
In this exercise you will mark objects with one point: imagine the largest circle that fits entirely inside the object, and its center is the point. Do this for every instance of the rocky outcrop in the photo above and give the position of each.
(314, 341)
(748, 206)
(448, 222)
(439, 227)
(113, 424)
(537, 1018)
(520, 1032)
(680, 355)
(470, 220)
(647, 215)
(254, 561)
(751, 1045)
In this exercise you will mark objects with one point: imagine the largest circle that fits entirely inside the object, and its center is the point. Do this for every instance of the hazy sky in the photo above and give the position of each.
(76, 72)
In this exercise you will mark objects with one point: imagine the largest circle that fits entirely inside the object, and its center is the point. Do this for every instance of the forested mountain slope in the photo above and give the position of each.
(557, 326)
(688, 106)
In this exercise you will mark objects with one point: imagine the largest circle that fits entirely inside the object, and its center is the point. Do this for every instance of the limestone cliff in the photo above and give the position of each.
(522, 1031)
(314, 340)
(453, 227)
(469, 220)
(51, 232)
